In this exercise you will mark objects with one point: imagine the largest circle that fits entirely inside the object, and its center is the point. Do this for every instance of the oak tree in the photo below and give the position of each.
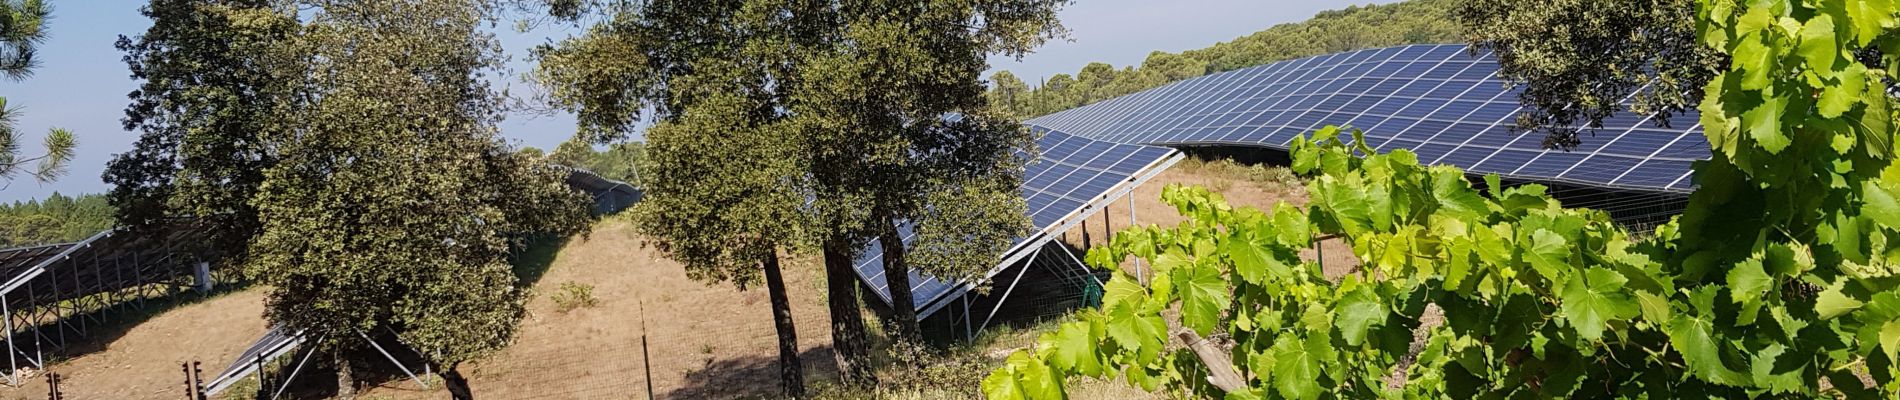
(877, 108)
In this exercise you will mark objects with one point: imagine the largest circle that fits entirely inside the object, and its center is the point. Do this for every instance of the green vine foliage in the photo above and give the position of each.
(1779, 280)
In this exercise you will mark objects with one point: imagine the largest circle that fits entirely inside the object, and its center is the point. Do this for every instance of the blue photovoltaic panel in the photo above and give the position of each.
(1070, 173)
(1441, 101)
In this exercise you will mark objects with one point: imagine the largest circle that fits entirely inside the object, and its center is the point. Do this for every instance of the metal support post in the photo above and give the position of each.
(1012, 288)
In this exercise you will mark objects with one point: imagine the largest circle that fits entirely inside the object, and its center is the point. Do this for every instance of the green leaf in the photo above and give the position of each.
(1755, 59)
(1890, 338)
(1764, 124)
(1253, 257)
(1038, 381)
(1358, 312)
(1869, 17)
(1453, 193)
(1841, 97)
(1588, 305)
(1818, 45)
(1548, 254)
(1694, 337)
(1832, 303)
(1135, 331)
(1764, 364)
(1655, 308)
(1292, 225)
(1747, 282)
(1880, 204)
(1122, 289)
(1001, 384)
(1296, 368)
(1074, 348)
(1204, 297)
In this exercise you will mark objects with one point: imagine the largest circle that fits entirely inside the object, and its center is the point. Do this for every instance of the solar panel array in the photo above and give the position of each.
(1070, 173)
(1440, 101)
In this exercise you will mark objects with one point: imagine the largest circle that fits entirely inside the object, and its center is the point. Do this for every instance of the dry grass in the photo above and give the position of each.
(142, 362)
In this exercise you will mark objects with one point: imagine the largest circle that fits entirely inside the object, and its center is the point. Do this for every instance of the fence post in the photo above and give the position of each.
(52, 386)
(646, 364)
(191, 388)
(197, 381)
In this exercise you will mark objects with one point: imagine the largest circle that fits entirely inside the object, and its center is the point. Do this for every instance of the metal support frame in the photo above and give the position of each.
(1012, 288)
(392, 359)
(80, 289)
(1047, 234)
(281, 386)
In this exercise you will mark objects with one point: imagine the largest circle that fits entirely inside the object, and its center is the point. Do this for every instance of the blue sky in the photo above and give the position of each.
(81, 84)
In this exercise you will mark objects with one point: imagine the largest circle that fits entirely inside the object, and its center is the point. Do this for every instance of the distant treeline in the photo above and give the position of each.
(56, 219)
(1353, 28)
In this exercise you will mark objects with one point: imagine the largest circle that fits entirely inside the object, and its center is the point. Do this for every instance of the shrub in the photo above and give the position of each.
(574, 296)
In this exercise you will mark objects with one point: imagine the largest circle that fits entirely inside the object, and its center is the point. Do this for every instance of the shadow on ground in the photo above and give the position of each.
(534, 259)
(748, 377)
(95, 331)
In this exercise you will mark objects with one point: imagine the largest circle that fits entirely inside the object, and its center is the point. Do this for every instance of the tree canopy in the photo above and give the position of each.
(1352, 28)
(1582, 61)
(214, 84)
(56, 219)
(22, 29)
(351, 147)
(811, 126)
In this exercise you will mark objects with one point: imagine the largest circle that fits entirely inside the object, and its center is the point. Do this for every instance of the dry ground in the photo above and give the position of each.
(703, 341)
(141, 361)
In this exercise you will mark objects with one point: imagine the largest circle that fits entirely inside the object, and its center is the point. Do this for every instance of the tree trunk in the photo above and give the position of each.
(791, 370)
(345, 378)
(457, 385)
(897, 276)
(847, 323)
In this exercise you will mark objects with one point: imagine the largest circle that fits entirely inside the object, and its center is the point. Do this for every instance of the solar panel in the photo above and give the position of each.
(1071, 174)
(1441, 101)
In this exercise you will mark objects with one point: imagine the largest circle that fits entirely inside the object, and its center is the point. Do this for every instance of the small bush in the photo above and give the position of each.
(574, 296)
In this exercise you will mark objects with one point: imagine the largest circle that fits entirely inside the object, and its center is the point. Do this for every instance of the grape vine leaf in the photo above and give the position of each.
(1840, 98)
(1594, 298)
(1204, 297)
(1548, 254)
(1296, 366)
(1764, 124)
(1122, 289)
(1359, 310)
(1075, 347)
(1002, 384)
(1252, 257)
(1832, 303)
(1868, 16)
(1818, 45)
(1880, 204)
(1755, 58)
(1747, 282)
(1693, 335)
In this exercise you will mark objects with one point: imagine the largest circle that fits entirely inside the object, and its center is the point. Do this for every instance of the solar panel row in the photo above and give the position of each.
(1070, 173)
(1440, 101)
